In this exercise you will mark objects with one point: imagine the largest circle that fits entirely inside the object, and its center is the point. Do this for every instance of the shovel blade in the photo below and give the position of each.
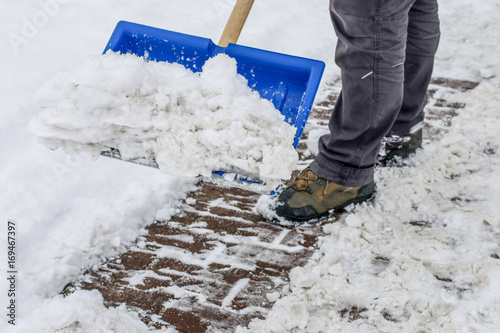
(289, 82)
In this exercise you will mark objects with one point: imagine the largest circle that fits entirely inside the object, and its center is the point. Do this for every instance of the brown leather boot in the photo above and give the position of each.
(310, 197)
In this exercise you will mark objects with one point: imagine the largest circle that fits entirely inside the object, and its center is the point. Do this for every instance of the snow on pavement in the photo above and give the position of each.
(424, 256)
(427, 254)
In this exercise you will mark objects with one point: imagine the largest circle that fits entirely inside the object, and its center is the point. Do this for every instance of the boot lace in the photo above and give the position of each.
(305, 179)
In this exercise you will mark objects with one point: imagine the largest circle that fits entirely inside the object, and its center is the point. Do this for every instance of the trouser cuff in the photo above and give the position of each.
(342, 174)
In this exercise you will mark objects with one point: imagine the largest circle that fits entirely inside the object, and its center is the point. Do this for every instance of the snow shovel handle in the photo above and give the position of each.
(235, 23)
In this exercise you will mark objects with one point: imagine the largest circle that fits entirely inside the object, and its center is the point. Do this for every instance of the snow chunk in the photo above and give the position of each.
(193, 123)
(82, 311)
(273, 297)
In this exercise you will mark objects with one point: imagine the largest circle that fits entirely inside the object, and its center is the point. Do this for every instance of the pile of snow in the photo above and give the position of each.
(192, 123)
(81, 312)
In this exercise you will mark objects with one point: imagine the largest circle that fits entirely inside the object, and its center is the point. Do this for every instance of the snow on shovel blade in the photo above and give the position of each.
(289, 82)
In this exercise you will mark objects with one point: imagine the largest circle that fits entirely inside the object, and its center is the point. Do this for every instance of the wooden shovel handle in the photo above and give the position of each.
(235, 23)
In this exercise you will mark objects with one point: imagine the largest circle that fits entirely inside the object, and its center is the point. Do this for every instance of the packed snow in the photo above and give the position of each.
(422, 258)
(192, 123)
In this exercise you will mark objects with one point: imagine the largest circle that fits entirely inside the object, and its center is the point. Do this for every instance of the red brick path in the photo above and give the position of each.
(218, 264)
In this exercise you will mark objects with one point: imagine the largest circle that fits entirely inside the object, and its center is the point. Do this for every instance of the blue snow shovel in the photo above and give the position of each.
(289, 82)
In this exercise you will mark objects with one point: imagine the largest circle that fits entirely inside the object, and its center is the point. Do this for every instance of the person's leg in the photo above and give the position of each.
(421, 46)
(405, 137)
(380, 94)
(371, 53)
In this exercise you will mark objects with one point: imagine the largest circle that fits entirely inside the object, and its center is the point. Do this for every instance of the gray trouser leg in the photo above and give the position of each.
(385, 50)
(423, 39)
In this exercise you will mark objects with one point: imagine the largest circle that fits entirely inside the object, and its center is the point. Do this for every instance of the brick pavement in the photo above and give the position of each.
(218, 264)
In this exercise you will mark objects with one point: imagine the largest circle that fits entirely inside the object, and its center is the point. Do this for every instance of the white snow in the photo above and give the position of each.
(71, 212)
(240, 285)
(80, 312)
(192, 123)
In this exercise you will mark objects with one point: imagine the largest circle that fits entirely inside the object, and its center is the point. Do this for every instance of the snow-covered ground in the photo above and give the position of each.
(69, 212)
